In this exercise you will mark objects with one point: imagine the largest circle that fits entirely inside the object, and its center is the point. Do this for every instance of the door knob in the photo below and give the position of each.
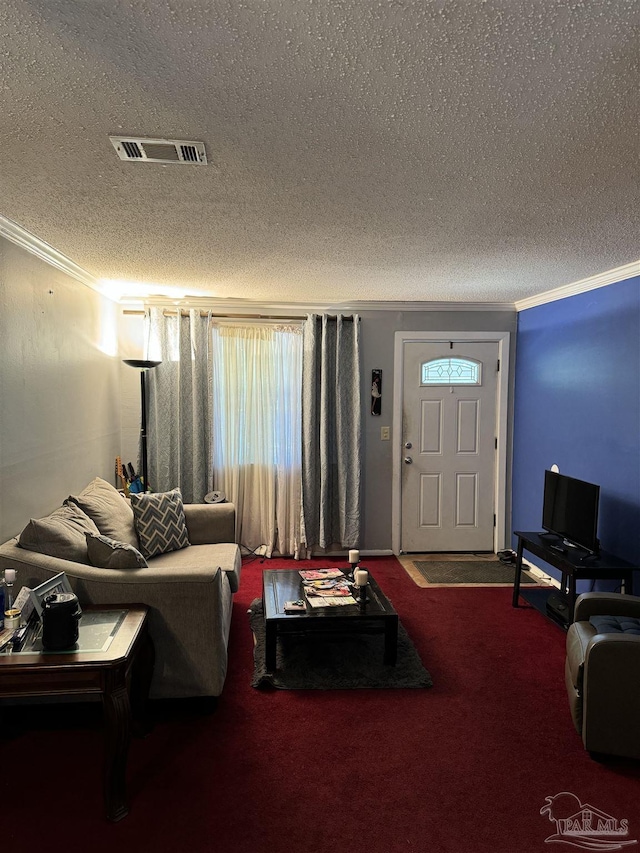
(408, 445)
(408, 460)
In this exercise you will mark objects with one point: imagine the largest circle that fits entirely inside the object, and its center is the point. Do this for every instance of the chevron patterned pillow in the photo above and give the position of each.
(160, 522)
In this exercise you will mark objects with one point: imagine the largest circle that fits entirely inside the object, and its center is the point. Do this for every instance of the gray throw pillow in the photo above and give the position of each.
(106, 553)
(160, 522)
(109, 510)
(61, 534)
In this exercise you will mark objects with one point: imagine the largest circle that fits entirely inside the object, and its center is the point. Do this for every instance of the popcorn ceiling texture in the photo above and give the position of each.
(473, 150)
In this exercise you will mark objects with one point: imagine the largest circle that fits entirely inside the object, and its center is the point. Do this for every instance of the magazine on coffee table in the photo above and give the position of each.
(327, 588)
(330, 601)
(328, 593)
(320, 574)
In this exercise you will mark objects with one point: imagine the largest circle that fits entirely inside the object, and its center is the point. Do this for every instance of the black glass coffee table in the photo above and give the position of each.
(279, 586)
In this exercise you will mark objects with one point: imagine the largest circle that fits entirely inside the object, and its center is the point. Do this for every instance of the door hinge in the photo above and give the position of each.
(496, 444)
(494, 519)
(498, 367)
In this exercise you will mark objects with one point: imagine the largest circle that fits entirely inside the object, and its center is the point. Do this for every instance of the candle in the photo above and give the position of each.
(354, 556)
(361, 577)
(10, 575)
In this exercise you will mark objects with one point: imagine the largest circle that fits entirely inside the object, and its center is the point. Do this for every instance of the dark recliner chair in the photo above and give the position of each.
(602, 673)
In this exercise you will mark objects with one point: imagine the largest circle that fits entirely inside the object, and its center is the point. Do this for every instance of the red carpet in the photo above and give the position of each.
(464, 766)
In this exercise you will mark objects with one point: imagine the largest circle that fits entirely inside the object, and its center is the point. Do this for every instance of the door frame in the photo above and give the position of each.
(503, 339)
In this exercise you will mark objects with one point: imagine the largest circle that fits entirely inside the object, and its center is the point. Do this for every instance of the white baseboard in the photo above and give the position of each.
(382, 552)
(538, 573)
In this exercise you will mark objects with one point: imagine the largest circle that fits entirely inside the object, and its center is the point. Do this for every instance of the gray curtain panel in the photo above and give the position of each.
(331, 432)
(179, 404)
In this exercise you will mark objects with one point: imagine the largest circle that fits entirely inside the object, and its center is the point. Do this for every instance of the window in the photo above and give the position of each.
(451, 371)
(257, 374)
(256, 383)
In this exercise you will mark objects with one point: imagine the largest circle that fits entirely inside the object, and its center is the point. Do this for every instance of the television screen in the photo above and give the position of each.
(570, 510)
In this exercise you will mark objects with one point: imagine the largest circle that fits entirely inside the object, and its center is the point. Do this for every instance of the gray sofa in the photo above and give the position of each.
(189, 594)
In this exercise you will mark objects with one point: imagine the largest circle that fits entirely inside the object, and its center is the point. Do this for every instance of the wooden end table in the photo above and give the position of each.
(113, 650)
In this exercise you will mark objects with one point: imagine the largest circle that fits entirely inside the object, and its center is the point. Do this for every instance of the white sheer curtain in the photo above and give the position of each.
(257, 376)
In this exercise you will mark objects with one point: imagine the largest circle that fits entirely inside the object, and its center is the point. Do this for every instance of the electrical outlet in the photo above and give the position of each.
(384, 434)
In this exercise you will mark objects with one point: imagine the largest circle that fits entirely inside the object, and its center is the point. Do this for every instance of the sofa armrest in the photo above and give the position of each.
(33, 568)
(12, 556)
(606, 604)
(210, 524)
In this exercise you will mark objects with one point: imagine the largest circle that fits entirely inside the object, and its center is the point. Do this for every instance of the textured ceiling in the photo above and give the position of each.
(473, 150)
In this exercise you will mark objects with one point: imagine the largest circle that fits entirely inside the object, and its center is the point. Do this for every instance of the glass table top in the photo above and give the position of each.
(97, 628)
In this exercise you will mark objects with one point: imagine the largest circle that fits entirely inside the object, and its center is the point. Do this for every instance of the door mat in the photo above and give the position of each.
(333, 663)
(470, 571)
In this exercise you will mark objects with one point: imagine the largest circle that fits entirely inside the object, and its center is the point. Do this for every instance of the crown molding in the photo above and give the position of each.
(34, 245)
(582, 286)
(357, 307)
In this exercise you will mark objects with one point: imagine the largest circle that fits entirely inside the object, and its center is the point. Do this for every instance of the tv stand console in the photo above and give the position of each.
(574, 564)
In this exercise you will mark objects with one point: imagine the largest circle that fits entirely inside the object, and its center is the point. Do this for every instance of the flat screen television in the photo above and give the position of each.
(570, 510)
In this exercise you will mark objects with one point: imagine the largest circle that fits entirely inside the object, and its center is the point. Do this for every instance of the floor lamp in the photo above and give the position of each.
(143, 365)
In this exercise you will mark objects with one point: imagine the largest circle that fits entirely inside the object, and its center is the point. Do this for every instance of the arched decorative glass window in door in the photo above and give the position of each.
(451, 371)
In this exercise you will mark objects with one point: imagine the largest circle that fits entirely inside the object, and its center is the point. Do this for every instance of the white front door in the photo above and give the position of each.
(449, 420)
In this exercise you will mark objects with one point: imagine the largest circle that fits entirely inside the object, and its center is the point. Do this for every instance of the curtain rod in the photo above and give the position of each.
(168, 312)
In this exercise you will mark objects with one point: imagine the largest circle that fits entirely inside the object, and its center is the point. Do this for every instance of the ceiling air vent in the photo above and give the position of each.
(159, 150)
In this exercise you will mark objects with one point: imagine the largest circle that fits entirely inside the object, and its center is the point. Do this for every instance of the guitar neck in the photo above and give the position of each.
(120, 474)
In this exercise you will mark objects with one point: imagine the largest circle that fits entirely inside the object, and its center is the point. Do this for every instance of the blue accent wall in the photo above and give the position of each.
(577, 404)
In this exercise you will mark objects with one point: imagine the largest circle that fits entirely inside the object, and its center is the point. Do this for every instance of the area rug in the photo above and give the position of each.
(470, 571)
(334, 663)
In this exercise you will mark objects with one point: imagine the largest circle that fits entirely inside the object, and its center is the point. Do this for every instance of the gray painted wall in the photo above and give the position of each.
(59, 387)
(378, 330)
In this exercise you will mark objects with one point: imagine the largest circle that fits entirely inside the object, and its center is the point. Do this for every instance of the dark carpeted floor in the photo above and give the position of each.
(463, 767)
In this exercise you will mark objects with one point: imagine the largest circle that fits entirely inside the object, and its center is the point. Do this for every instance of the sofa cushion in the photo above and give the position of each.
(159, 521)
(224, 555)
(61, 534)
(108, 509)
(106, 553)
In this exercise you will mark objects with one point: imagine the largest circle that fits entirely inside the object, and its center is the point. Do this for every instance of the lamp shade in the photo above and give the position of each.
(141, 363)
